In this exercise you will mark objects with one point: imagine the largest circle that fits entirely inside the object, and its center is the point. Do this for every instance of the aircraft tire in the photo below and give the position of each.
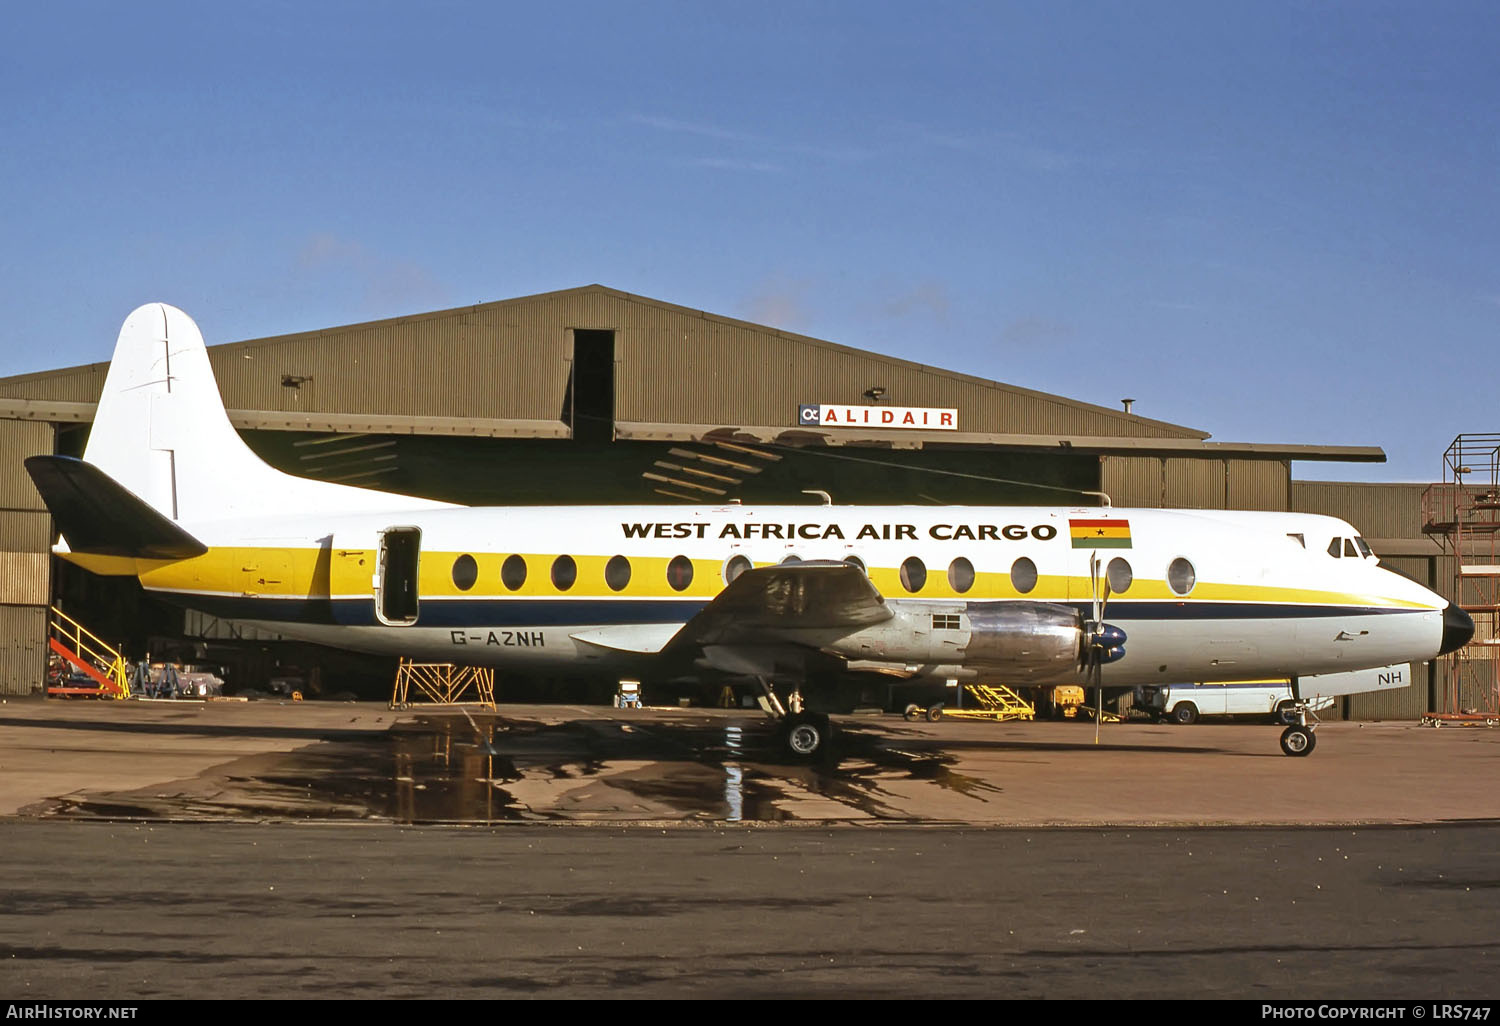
(935, 713)
(1298, 741)
(1185, 713)
(807, 734)
(912, 712)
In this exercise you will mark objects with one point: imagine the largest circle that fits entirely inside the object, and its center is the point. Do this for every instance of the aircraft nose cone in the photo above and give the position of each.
(1458, 628)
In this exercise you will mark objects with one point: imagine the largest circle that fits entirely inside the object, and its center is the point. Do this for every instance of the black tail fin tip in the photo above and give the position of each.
(99, 516)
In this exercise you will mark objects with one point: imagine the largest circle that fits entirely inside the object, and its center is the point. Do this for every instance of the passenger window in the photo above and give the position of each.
(1181, 576)
(1023, 575)
(617, 573)
(961, 575)
(465, 572)
(564, 572)
(1119, 575)
(736, 566)
(858, 563)
(513, 572)
(913, 574)
(1335, 548)
(791, 559)
(680, 573)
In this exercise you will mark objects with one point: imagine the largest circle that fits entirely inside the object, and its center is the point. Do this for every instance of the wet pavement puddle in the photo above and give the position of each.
(482, 768)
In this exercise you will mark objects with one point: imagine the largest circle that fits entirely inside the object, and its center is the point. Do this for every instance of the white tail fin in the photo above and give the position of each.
(161, 431)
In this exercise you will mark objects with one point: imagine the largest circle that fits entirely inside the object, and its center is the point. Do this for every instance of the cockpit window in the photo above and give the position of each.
(1296, 536)
(1336, 548)
(1364, 548)
(1350, 550)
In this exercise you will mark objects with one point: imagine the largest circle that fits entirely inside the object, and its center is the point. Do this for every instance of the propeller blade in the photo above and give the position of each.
(1094, 584)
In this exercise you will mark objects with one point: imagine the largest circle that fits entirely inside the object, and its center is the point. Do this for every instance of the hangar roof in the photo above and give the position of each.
(504, 369)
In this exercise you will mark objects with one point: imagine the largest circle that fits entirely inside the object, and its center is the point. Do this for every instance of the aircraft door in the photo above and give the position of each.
(396, 576)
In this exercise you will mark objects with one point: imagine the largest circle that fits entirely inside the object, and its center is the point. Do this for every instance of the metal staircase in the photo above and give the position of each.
(1463, 514)
(96, 659)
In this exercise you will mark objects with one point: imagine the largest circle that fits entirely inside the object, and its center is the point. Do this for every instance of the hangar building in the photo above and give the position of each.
(593, 395)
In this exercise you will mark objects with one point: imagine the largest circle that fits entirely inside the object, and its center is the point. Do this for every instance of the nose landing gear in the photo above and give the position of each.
(1298, 739)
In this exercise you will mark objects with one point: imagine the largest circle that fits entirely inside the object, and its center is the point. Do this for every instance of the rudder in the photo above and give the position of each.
(161, 431)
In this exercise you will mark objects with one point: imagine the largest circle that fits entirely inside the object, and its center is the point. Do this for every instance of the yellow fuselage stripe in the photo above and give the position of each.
(317, 573)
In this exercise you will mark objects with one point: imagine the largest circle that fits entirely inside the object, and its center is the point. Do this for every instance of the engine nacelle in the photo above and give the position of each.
(1025, 642)
(1015, 642)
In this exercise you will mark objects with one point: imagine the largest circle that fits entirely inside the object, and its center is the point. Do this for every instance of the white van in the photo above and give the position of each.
(1184, 703)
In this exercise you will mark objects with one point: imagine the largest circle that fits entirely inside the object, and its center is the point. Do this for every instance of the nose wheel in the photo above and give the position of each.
(1298, 740)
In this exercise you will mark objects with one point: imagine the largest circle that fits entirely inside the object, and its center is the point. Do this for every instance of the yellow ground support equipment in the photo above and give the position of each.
(1067, 700)
(992, 702)
(442, 683)
(99, 661)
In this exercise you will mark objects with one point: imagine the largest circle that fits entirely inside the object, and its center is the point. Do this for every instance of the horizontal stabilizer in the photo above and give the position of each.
(99, 516)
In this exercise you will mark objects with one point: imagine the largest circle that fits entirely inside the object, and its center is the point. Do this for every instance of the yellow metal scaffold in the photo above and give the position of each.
(442, 684)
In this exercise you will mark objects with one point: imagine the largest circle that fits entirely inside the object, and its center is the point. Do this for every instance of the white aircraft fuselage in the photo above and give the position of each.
(1260, 601)
(169, 493)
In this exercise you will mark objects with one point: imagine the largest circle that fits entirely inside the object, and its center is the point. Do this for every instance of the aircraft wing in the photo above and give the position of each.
(763, 603)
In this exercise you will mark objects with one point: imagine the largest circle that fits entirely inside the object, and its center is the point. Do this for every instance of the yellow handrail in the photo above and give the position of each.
(89, 645)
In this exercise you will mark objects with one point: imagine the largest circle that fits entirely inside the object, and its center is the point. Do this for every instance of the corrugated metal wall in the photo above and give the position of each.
(73, 384)
(25, 565)
(503, 362)
(1196, 483)
(726, 372)
(23, 649)
(1377, 510)
(1132, 480)
(1257, 484)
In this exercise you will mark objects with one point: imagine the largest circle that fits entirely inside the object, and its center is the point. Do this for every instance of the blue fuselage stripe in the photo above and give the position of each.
(524, 612)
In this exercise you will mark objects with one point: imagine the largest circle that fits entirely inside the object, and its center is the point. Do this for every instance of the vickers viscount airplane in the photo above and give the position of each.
(794, 597)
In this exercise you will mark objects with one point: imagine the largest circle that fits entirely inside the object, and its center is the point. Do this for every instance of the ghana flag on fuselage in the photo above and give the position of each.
(1100, 534)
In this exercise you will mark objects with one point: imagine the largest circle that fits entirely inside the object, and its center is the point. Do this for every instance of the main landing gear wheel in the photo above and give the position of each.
(807, 734)
(1298, 740)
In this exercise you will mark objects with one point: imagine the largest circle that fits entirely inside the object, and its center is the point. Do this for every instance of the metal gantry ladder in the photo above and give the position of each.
(995, 702)
(1463, 514)
(97, 659)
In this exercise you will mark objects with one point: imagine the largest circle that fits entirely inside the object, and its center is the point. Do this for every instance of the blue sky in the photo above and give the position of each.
(1274, 221)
